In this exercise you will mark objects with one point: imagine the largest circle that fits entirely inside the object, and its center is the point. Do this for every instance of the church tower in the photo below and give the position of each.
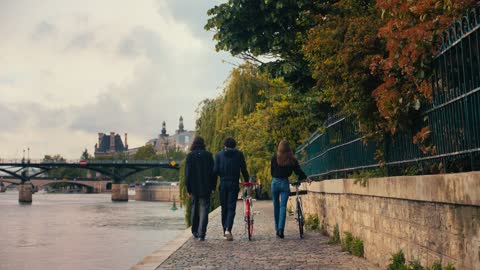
(164, 129)
(180, 126)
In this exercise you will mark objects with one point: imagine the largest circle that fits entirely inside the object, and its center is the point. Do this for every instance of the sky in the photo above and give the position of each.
(71, 69)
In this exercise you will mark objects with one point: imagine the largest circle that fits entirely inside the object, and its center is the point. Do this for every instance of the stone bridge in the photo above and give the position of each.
(95, 186)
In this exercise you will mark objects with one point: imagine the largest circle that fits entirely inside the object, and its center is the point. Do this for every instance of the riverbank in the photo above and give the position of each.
(263, 252)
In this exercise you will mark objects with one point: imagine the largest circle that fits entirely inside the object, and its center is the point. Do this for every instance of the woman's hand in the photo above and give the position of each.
(309, 180)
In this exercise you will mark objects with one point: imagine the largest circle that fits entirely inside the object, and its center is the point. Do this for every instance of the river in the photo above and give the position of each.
(82, 231)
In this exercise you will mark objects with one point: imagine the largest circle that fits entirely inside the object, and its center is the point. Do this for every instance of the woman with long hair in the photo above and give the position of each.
(283, 165)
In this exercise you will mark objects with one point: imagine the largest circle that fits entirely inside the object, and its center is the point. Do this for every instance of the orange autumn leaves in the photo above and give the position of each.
(373, 58)
(411, 32)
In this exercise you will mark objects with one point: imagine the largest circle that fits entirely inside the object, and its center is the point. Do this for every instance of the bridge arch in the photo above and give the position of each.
(89, 188)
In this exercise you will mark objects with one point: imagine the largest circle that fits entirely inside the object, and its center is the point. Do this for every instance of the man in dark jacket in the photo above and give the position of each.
(228, 165)
(200, 182)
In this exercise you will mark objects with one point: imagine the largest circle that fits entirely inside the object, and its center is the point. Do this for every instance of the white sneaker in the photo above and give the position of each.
(228, 236)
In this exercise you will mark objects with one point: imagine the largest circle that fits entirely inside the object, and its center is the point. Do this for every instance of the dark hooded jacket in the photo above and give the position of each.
(199, 177)
(229, 163)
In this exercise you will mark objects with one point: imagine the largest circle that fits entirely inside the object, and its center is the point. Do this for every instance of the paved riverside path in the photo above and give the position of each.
(265, 251)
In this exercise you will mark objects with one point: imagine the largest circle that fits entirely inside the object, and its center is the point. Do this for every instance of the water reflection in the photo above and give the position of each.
(82, 231)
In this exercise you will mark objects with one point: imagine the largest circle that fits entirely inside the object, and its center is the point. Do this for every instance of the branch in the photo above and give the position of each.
(247, 56)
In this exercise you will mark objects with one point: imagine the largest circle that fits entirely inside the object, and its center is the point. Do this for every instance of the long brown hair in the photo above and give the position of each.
(285, 155)
(198, 144)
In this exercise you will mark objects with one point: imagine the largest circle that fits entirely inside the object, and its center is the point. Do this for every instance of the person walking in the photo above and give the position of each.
(228, 164)
(283, 165)
(200, 182)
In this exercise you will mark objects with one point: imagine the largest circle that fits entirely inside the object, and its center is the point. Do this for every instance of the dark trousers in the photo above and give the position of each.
(199, 217)
(228, 200)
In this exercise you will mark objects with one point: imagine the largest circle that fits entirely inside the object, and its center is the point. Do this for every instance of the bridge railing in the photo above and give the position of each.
(453, 119)
(77, 161)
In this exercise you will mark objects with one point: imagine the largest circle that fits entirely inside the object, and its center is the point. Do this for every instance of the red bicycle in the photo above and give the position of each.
(248, 208)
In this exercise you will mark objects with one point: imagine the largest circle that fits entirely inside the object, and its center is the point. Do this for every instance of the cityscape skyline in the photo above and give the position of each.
(71, 70)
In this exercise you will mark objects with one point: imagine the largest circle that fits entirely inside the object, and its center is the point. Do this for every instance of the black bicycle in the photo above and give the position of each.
(298, 203)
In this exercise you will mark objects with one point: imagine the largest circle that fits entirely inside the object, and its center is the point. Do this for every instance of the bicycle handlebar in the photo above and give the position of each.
(296, 184)
(248, 184)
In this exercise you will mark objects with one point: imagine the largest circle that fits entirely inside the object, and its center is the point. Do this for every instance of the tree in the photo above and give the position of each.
(412, 32)
(69, 173)
(268, 33)
(145, 153)
(279, 117)
(85, 155)
(244, 88)
(340, 48)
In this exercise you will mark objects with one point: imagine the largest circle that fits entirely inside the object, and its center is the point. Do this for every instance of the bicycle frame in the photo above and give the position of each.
(299, 209)
(248, 209)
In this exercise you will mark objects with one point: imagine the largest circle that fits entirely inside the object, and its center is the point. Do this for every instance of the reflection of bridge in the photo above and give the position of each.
(117, 170)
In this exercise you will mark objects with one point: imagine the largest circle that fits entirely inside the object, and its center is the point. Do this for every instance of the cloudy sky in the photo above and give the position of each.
(71, 69)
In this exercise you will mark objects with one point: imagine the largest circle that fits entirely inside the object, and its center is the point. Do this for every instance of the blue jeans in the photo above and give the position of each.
(199, 217)
(228, 199)
(280, 193)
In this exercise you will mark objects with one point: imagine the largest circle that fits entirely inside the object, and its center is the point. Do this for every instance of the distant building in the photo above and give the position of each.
(110, 145)
(183, 138)
(180, 141)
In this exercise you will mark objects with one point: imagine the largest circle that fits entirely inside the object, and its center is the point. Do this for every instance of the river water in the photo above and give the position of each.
(82, 231)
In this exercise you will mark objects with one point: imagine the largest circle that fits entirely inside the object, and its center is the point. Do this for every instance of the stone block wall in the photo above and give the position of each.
(157, 193)
(429, 217)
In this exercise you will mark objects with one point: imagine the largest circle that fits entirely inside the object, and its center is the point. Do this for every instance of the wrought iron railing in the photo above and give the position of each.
(453, 119)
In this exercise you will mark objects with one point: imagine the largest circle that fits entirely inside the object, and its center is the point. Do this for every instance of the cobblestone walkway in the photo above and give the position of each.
(265, 251)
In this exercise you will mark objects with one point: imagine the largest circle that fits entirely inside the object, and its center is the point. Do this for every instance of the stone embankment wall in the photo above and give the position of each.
(157, 193)
(430, 218)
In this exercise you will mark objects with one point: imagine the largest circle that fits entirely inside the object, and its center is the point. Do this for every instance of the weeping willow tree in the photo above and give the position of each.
(281, 116)
(244, 88)
(258, 112)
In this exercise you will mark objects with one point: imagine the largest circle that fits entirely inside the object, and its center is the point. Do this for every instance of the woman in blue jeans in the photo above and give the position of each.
(283, 164)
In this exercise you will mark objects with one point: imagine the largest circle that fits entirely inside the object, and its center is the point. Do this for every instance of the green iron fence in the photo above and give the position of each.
(453, 118)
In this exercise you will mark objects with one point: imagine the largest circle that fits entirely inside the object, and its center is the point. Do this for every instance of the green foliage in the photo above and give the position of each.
(436, 265)
(352, 244)
(363, 175)
(449, 266)
(415, 265)
(185, 200)
(339, 48)
(146, 152)
(347, 242)
(411, 30)
(335, 238)
(245, 87)
(357, 247)
(398, 262)
(85, 155)
(61, 173)
(411, 170)
(312, 222)
(272, 29)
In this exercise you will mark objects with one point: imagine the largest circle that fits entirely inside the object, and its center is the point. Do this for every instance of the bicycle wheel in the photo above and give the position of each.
(248, 225)
(251, 223)
(300, 218)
